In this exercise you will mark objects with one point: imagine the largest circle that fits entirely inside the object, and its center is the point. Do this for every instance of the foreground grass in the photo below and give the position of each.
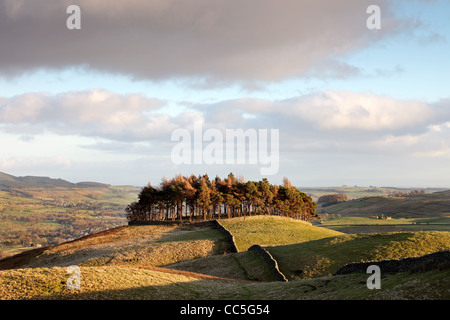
(273, 230)
(131, 283)
(323, 257)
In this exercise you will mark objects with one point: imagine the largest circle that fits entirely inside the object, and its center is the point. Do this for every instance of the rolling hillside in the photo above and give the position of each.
(189, 262)
(357, 192)
(429, 205)
(135, 246)
(417, 212)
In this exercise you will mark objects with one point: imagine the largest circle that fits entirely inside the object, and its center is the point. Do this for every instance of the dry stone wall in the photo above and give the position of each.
(438, 260)
(270, 260)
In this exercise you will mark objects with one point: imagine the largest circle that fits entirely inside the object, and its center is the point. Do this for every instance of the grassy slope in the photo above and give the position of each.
(262, 230)
(118, 265)
(136, 246)
(315, 251)
(325, 256)
(273, 230)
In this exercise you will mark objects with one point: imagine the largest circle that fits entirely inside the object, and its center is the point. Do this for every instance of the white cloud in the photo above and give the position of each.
(331, 110)
(12, 164)
(351, 116)
(95, 113)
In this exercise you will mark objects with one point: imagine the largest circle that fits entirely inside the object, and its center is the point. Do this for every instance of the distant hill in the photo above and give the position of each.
(89, 184)
(427, 205)
(356, 192)
(10, 181)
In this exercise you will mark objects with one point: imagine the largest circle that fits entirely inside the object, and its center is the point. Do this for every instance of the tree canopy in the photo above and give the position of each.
(330, 199)
(199, 197)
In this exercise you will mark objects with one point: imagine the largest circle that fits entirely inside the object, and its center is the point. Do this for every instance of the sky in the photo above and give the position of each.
(352, 105)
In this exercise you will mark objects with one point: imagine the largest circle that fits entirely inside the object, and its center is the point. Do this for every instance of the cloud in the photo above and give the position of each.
(12, 164)
(322, 122)
(95, 113)
(331, 122)
(208, 42)
(331, 110)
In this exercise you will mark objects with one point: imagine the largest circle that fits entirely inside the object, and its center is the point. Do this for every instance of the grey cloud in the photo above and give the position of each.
(208, 42)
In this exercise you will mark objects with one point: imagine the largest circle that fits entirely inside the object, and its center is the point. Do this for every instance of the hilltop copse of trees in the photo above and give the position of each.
(193, 198)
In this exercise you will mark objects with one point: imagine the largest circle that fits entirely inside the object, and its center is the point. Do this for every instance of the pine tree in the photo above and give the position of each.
(204, 197)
